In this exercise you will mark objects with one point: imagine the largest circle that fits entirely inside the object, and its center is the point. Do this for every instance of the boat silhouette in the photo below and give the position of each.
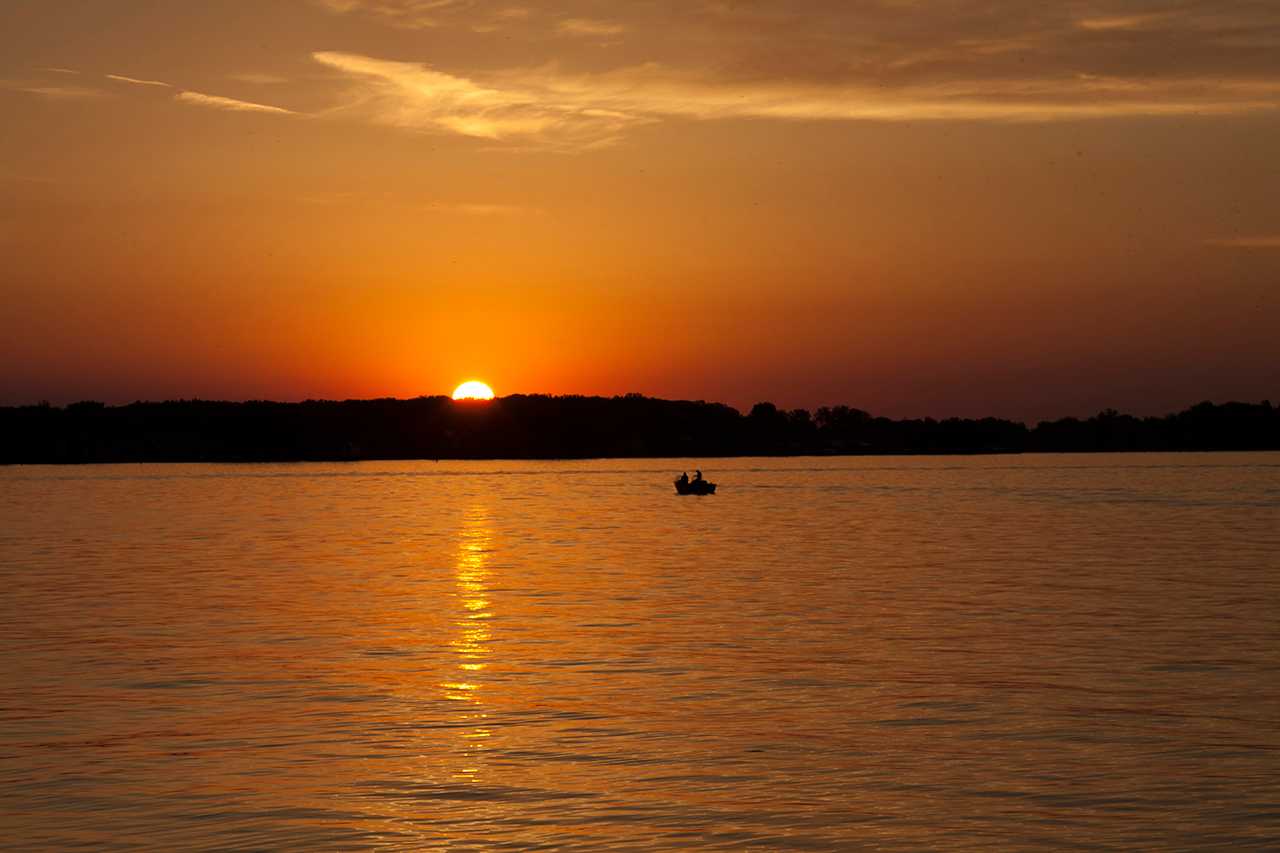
(694, 487)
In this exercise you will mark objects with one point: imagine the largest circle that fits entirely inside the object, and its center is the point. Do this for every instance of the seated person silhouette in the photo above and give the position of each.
(684, 478)
(697, 476)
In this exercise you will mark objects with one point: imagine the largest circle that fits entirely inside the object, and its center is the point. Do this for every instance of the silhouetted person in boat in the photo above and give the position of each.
(697, 476)
(684, 478)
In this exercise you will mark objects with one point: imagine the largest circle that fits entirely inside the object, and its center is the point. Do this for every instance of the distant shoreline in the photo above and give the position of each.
(899, 455)
(538, 427)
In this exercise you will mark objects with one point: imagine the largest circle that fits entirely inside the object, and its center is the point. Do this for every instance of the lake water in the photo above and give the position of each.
(893, 653)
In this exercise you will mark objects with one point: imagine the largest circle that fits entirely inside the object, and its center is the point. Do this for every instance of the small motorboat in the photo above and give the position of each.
(694, 487)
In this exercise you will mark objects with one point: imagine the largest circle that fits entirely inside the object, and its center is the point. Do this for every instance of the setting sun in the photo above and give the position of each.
(473, 390)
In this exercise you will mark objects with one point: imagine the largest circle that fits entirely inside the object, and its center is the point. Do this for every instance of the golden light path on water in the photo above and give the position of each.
(471, 574)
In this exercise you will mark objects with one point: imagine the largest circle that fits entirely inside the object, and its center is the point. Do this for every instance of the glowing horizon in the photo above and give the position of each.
(988, 212)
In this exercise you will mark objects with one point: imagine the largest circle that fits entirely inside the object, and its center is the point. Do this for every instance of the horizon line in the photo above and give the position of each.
(1106, 411)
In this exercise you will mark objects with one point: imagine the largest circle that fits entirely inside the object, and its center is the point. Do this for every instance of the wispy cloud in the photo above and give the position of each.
(218, 102)
(135, 81)
(879, 43)
(56, 70)
(479, 17)
(1265, 241)
(549, 106)
(408, 14)
(407, 94)
(589, 27)
(69, 93)
(1124, 22)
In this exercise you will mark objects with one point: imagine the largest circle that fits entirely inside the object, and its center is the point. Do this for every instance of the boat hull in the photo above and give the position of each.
(692, 488)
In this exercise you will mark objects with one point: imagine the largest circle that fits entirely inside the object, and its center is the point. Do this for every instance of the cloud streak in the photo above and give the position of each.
(1124, 22)
(589, 27)
(135, 81)
(548, 106)
(66, 93)
(406, 94)
(406, 14)
(218, 102)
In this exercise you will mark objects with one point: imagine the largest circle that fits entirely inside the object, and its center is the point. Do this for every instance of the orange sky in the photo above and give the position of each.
(916, 208)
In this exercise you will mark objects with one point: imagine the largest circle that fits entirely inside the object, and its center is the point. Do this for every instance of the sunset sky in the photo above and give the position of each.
(961, 207)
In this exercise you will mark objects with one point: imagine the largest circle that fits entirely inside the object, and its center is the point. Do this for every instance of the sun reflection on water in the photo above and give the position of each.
(471, 576)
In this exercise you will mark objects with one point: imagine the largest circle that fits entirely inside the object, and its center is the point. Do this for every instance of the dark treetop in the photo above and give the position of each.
(538, 426)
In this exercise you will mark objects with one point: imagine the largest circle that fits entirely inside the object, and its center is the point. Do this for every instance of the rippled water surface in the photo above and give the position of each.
(987, 652)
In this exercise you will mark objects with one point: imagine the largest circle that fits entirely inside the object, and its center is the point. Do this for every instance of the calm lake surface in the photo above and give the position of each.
(897, 653)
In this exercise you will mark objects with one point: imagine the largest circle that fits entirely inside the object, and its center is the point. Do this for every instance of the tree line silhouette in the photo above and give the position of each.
(544, 427)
